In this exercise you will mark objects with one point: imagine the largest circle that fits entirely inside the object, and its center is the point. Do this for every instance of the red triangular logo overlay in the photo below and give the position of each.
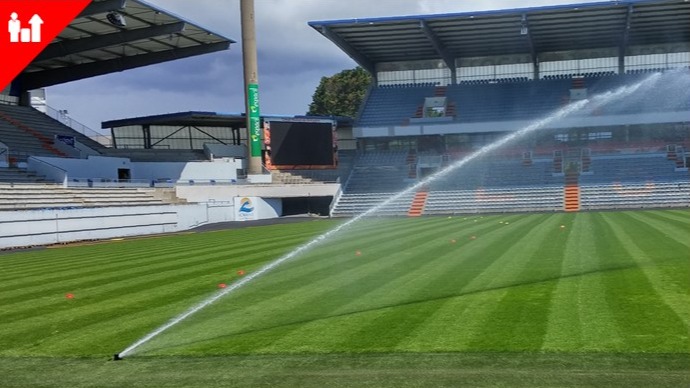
(27, 27)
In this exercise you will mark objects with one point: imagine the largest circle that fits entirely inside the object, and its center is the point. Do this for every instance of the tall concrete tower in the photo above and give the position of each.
(251, 87)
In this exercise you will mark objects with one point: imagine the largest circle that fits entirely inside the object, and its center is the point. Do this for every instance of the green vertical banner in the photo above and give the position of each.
(254, 129)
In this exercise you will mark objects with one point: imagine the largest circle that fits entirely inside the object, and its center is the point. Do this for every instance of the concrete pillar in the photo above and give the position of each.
(251, 88)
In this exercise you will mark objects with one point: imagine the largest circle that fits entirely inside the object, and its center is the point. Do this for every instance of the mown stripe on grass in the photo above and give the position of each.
(645, 322)
(462, 319)
(449, 279)
(127, 253)
(299, 304)
(114, 249)
(135, 289)
(382, 245)
(115, 314)
(672, 290)
(579, 318)
(678, 215)
(98, 276)
(518, 321)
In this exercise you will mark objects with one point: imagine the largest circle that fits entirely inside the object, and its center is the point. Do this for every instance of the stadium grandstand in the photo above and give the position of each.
(58, 179)
(444, 86)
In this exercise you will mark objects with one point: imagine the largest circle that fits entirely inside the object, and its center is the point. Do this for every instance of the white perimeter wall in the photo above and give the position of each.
(106, 167)
(24, 228)
(228, 193)
(44, 227)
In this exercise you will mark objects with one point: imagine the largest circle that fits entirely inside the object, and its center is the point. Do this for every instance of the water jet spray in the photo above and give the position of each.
(593, 102)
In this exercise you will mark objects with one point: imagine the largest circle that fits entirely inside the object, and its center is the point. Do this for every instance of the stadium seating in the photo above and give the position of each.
(393, 105)
(377, 179)
(516, 199)
(46, 196)
(636, 195)
(20, 143)
(353, 204)
(503, 183)
(493, 173)
(27, 131)
(647, 167)
(513, 99)
(340, 174)
(18, 176)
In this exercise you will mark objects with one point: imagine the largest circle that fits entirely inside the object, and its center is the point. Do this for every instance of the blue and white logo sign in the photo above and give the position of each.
(246, 209)
(246, 206)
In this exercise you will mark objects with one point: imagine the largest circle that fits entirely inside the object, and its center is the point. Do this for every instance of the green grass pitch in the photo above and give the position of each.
(585, 299)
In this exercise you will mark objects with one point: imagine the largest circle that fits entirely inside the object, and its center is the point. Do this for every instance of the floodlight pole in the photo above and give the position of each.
(251, 88)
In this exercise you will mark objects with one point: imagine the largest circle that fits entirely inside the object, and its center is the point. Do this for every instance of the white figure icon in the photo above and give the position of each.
(24, 35)
(14, 27)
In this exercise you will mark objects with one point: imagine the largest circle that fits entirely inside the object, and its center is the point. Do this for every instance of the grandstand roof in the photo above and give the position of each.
(619, 23)
(92, 45)
(211, 119)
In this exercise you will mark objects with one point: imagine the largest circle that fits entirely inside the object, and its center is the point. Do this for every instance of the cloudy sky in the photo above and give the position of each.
(292, 59)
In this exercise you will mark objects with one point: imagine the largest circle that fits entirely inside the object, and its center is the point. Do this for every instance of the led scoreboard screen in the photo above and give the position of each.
(297, 144)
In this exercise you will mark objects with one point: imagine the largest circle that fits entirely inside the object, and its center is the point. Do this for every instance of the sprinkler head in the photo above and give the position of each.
(116, 357)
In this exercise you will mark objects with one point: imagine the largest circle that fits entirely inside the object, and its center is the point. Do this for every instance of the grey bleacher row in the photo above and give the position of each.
(382, 158)
(631, 168)
(499, 185)
(387, 106)
(346, 160)
(392, 174)
(42, 124)
(499, 173)
(352, 204)
(395, 175)
(523, 199)
(21, 143)
(19, 176)
(377, 179)
(31, 197)
(635, 196)
(519, 199)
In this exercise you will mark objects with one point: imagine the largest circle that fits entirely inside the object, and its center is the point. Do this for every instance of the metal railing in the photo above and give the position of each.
(61, 116)
(107, 182)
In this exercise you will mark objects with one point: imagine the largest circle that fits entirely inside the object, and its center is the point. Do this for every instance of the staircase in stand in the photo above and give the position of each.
(558, 161)
(418, 203)
(411, 164)
(572, 193)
